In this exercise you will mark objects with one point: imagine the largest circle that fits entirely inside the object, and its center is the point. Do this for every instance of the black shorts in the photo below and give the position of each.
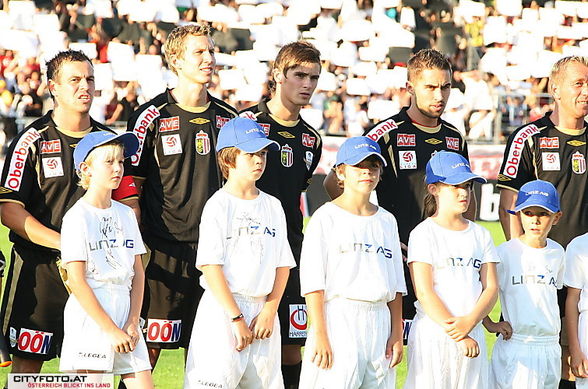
(32, 305)
(292, 312)
(172, 293)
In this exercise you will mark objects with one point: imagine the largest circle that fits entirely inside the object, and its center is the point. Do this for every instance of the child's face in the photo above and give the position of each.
(452, 198)
(105, 167)
(249, 166)
(537, 221)
(364, 176)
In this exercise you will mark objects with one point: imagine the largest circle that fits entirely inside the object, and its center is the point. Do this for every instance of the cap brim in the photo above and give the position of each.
(254, 145)
(129, 141)
(357, 159)
(528, 204)
(460, 178)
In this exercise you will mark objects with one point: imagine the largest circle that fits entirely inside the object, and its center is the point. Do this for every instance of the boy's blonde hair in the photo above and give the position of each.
(110, 150)
(226, 159)
(175, 45)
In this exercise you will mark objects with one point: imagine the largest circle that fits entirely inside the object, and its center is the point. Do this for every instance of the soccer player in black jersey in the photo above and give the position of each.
(175, 170)
(553, 149)
(294, 77)
(38, 185)
(408, 140)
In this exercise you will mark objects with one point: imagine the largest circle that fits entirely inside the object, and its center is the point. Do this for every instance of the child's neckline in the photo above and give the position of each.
(468, 225)
(531, 247)
(241, 198)
(354, 214)
(87, 204)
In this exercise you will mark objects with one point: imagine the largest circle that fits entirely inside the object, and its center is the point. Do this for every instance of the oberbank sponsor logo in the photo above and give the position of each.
(378, 131)
(511, 168)
(19, 157)
(141, 126)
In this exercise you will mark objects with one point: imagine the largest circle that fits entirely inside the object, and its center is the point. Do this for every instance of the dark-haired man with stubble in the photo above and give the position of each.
(38, 185)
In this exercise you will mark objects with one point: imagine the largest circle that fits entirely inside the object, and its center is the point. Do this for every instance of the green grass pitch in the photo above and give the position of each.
(169, 372)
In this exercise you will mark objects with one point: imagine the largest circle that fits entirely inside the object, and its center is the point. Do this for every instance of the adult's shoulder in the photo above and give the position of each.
(384, 127)
(223, 106)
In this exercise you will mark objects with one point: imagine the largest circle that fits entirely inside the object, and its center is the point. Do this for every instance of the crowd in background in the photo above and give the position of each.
(501, 54)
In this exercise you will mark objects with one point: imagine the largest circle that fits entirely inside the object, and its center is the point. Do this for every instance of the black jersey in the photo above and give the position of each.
(39, 173)
(407, 149)
(288, 171)
(540, 151)
(177, 161)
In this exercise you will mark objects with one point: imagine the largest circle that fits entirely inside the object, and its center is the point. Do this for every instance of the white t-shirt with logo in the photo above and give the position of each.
(456, 258)
(529, 278)
(106, 239)
(351, 256)
(576, 273)
(248, 238)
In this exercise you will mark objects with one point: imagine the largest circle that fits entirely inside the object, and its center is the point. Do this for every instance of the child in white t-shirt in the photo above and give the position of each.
(527, 353)
(101, 249)
(351, 275)
(576, 318)
(452, 264)
(245, 259)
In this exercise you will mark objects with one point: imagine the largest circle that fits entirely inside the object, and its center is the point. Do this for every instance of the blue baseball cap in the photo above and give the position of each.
(537, 193)
(244, 134)
(450, 168)
(356, 149)
(100, 138)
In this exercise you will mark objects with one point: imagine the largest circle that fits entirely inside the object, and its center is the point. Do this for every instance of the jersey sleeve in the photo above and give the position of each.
(490, 254)
(211, 246)
(575, 267)
(143, 123)
(73, 238)
(418, 249)
(19, 175)
(398, 261)
(313, 258)
(517, 163)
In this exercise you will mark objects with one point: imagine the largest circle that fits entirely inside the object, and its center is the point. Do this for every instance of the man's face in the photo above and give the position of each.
(73, 88)
(197, 64)
(571, 90)
(430, 91)
(298, 84)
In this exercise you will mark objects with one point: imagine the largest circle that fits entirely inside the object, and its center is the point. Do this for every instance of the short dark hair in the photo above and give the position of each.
(426, 59)
(55, 63)
(292, 55)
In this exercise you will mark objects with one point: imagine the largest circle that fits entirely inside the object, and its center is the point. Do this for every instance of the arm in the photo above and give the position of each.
(323, 355)
(78, 284)
(394, 347)
(511, 225)
(332, 186)
(18, 219)
(502, 327)
(578, 362)
(262, 325)
(216, 281)
(461, 326)
(131, 326)
(422, 281)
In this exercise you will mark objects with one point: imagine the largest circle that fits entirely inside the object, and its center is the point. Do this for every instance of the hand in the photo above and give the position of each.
(262, 325)
(579, 364)
(121, 341)
(394, 350)
(404, 249)
(469, 347)
(459, 327)
(323, 355)
(502, 327)
(242, 333)
(131, 327)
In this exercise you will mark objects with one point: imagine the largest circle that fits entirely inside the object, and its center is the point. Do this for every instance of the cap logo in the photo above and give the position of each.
(535, 192)
(460, 164)
(252, 130)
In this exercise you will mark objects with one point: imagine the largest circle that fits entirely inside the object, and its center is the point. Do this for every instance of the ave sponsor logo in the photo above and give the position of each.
(452, 143)
(145, 119)
(515, 151)
(307, 140)
(221, 121)
(51, 146)
(405, 140)
(169, 124)
(35, 342)
(163, 331)
(383, 128)
(18, 159)
(549, 142)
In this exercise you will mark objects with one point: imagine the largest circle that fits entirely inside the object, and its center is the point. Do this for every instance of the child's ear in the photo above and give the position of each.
(433, 189)
(557, 217)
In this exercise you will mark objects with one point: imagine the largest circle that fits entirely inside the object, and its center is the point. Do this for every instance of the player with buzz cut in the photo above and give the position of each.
(407, 140)
(527, 353)
(553, 148)
(176, 172)
(39, 185)
(294, 76)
